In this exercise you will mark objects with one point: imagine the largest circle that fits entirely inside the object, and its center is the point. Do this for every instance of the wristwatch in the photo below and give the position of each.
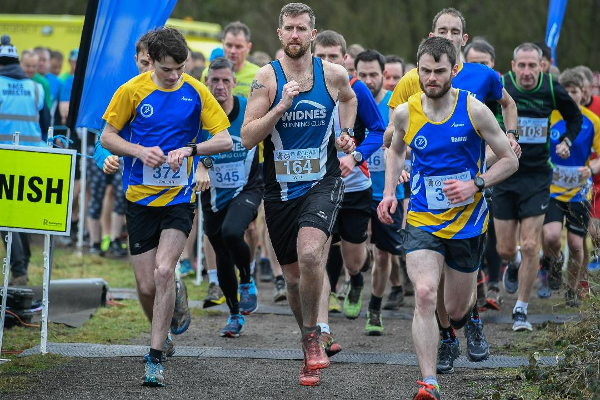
(207, 162)
(193, 147)
(349, 131)
(479, 182)
(514, 132)
(358, 157)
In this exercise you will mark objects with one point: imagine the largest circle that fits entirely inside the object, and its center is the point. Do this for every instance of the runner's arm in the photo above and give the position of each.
(509, 112)
(570, 112)
(369, 114)
(110, 140)
(346, 96)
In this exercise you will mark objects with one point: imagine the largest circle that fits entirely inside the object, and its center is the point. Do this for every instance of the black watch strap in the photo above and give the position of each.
(193, 147)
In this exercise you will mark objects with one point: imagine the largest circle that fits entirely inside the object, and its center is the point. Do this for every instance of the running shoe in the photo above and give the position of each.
(280, 292)
(374, 323)
(168, 348)
(555, 276)
(334, 304)
(448, 351)
(186, 269)
(248, 298)
(96, 250)
(309, 377)
(494, 299)
(342, 290)
(214, 297)
(266, 273)
(510, 279)
(314, 355)
(544, 291)
(352, 302)
(571, 298)
(427, 392)
(330, 345)
(368, 261)
(395, 299)
(520, 322)
(116, 250)
(583, 289)
(477, 345)
(181, 313)
(153, 372)
(105, 243)
(234, 327)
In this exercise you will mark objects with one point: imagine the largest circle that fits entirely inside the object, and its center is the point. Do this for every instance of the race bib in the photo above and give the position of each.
(297, 165)
(436, 198)
(533, 130)
(227, 175)
(164, 176)
(376, 162)
(567, 177)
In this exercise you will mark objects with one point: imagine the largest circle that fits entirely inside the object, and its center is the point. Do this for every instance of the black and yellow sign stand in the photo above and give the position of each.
(36, 196)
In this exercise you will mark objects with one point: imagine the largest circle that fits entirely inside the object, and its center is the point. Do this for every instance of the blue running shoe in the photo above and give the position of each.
(544, 291)
(248, 298)
(186, 269)
(153, 372)
(234, 327)
(181, 313)
(510, 279)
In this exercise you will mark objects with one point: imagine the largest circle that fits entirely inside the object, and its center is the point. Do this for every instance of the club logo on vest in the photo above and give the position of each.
(554, 134)
(146, 110)
(306, 113)
(420, 142)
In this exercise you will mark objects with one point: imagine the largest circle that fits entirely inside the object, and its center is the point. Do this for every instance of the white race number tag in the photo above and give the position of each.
(164, 176)
(297, 165)
(227, 175)
(533, 130)
(376, 162)
(436, 198)
(567, 177)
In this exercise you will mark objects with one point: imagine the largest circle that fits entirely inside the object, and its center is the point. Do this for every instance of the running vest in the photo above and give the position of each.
(232, 170)
(534, 108)
(451, 149)
(20, 103)
(567, 184)
(300, 150)
(376, 162)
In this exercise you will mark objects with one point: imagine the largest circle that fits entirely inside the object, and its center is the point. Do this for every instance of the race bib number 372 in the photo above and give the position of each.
(297, 165)
(164, 175)
(434, 190)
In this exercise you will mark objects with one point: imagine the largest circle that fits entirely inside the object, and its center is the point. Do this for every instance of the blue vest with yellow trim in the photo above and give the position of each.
(441, 150)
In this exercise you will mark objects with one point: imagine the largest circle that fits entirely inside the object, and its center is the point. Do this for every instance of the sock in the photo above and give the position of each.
(375, 303)
(357, 280)
(521, 304)
(212, 277)
(308, 329)
(397, 288)
(96, 245)
(279, 278)
(252, 267)
(430, 380)
(156, 354)
(324, 327)
(475, 314)
(448, 333)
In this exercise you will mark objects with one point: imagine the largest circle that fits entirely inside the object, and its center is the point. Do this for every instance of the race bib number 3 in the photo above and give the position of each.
(436, 198)
(227, 175)
(533, 130)
(297, 165)
(376, 162)
(566, 177)
(164, 175)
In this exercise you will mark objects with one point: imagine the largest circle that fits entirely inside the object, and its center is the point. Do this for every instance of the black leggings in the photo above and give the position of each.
(225, 230)
(492, 257)
(334, 266)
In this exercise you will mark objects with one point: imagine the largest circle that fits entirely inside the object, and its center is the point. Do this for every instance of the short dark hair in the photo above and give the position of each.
(436, 47)
(235, 28)
(546, 50)
(330, 38)
(221, 63)
(482, 46)
(57, 55)
(142, 43)
(196, 55)
(296, 9)
(571, 77)
(395, 59)
(451, 11)
(166, 42)
(370, 55)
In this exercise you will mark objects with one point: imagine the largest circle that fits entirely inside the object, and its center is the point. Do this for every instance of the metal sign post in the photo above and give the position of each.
(199, 242)
(83, 133)
(5, 288)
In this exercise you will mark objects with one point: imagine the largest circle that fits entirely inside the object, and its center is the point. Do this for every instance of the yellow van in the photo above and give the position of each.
(63, 32)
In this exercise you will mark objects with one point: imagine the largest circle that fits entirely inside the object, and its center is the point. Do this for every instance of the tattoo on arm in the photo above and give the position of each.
(255, 85)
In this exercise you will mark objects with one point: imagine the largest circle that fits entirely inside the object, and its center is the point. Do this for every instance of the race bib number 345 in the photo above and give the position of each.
(164, 175)
(297, 165)
(436, 198)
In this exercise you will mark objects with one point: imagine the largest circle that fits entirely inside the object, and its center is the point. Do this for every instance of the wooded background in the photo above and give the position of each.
(390, 26)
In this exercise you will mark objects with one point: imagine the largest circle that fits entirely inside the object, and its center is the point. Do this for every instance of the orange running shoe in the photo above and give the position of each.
(314, 355)
(330, 345)
(427, 392)
(309, 377)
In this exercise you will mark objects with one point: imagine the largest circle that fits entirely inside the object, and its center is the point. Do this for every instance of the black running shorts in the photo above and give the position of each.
(521, 196)
(353, 219)
(145, 224)
(386, 237)
(577, 214)
(317, 208)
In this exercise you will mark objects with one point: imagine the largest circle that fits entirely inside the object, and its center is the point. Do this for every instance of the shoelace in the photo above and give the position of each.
(475, 334)
(354, 294)
(245, 295)
(312, 346)
(445, 350)
(374, 319)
